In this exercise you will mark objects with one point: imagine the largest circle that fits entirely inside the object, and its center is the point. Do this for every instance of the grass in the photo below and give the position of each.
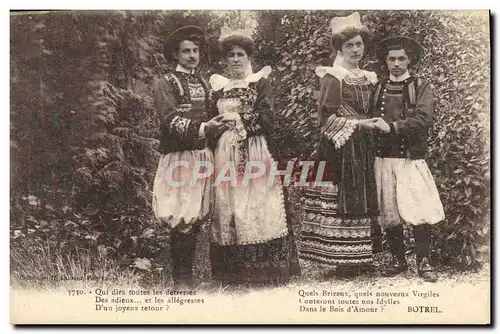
(38, 262)
(43, 266)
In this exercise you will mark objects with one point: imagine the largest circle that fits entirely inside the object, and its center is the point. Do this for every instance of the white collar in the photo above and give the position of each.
(182, 69)
(402, 77)
(218, 81)
(340, 72)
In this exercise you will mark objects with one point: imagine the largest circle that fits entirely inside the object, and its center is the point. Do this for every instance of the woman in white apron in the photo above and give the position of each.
(251, 239)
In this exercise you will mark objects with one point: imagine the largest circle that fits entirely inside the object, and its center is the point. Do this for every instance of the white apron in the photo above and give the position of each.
(249, 213)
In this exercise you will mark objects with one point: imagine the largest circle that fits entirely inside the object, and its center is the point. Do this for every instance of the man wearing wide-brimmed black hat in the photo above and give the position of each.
(182, 200)
(406, 189)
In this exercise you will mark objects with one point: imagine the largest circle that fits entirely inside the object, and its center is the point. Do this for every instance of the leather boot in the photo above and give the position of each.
(423, 249)
(176, 253)
(397, 247)
(183, 252)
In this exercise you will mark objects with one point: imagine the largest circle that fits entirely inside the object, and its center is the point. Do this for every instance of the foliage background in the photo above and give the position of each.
(84, 130)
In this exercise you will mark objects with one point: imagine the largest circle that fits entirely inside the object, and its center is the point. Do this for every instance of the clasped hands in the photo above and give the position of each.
(221, 123)
(375, 123)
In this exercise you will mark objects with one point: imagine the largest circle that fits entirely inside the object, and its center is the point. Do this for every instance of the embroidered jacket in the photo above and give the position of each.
(182, 100)
(340, 109)
(408, 107)
(255, 92)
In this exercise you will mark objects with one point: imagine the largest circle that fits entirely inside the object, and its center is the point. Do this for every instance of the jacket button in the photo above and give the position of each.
(383, 102)
(381, 108)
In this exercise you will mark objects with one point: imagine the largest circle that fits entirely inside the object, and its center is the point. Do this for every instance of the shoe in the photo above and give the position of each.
(191, 283)
(347, 272)
(423, 250)
(328, 275)
(426, 271)
(397, 268)
(368, 269)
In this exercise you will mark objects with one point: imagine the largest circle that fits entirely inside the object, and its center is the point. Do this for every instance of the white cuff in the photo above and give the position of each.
(342, 136)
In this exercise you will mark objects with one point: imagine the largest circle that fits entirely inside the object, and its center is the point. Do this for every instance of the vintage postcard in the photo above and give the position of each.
(250, 167)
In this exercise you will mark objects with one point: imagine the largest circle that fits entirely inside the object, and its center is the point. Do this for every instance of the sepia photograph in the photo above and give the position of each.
(250, 167)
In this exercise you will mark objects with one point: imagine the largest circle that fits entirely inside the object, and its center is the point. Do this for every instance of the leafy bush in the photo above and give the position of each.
(82, 112)
(84, 129)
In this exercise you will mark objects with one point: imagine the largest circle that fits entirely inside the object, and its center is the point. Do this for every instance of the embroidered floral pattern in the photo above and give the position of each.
(332, 206)
(335, 260)
(342, 136)
(177, 85)
(189, 87)
(338, 231)
(196, 91)
(179, 125)
(343, 248)
(183, 108)
(246, 95)
(250, 120)
(338, 130)
(328, 221)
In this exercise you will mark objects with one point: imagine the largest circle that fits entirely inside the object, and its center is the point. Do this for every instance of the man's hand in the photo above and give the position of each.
(382, 125)
(215, 126)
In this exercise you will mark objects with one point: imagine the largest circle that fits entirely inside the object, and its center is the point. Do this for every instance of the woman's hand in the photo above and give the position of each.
(230, 118)
(369, 124)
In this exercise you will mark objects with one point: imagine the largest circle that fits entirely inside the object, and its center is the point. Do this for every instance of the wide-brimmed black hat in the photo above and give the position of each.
(411, 46)
(180, 35)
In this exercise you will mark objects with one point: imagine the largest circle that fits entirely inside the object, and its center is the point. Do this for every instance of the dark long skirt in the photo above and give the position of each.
(339, 219)
(272, 262)
(269, 262)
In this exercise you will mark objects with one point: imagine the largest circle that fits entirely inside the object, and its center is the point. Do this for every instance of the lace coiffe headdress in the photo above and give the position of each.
(226, 32)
